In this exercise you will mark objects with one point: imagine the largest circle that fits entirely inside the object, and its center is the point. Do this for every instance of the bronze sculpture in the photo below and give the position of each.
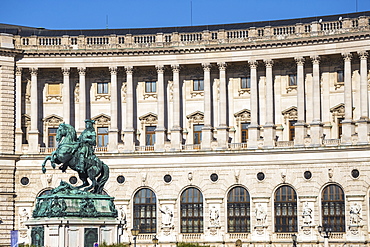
(78, 154)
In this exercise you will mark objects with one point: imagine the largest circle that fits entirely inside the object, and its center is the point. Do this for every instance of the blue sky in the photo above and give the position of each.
(92, 14)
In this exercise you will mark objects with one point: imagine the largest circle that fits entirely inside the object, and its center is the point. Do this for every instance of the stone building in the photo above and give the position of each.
(235, 134)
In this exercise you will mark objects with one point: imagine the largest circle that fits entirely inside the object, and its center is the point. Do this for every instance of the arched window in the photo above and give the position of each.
(238, 210)
(332, 206)
(145, 209)
(191, 211)
(285, 209)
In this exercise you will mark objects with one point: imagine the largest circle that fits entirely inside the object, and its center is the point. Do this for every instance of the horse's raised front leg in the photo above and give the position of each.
(43, 164)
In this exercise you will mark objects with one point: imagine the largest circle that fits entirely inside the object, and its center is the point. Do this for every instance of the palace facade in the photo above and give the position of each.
(228, 135)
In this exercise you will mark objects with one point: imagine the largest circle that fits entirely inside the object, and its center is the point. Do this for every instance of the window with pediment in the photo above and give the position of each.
(338, 112)
(196, 123)
(148, 125)
(51, 124)
(290, 118)
(243, 119)
(102, 123)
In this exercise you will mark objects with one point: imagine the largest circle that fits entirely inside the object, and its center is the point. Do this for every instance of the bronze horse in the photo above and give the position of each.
(67, 155)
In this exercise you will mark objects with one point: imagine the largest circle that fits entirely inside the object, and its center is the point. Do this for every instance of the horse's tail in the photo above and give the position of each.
(103, 178)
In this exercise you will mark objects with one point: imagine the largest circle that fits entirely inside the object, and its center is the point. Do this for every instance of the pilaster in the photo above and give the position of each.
(82, 99)
(160, 130)
(363, 122)
(33, 135)
(253, 129)
(316, 125)
(347, 123)
(129, 143)
(176, 136)
(269, 132)
(222, 129)
(18, 110)
(207, 135)
(66, 96)
(113, 130)
(300, 127)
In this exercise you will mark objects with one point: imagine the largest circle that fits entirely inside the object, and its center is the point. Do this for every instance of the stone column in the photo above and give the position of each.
(160, 130)
(253, 128)
(347, 123)
(18, 110)
(300, 126)
(207, 129)
(66, 96)
(113, 129)
(363, 122)
(222, 129)
(82, 99)
(269, 131)
(34, 132)
(176, 136)
(316, 125)
(129, 144)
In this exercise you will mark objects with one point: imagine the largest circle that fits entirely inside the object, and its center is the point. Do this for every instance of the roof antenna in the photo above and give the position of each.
(356, 5)
(106, 22)
(191, 13)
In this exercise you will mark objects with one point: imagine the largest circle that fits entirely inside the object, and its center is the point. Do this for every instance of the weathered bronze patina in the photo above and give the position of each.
(78, 154)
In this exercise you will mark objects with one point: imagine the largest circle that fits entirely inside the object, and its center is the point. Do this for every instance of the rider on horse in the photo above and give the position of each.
(87, 141)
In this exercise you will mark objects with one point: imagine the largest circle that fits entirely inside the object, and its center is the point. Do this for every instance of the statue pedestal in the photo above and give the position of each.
(71, 231)
(70, 217)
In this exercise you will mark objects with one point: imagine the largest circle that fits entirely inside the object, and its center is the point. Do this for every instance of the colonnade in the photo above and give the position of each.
(269, 133)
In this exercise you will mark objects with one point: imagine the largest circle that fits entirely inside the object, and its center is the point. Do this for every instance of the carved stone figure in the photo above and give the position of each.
(23, 217)
(214, 216)
(122, 215)
(167, 216)
(307, 214)
(355, 217)
(78, 154)
(260, 215)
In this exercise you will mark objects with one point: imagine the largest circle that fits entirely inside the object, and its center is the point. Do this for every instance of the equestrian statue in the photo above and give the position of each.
(78, 154)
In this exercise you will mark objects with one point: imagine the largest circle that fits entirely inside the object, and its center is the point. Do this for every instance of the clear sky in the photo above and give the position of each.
(95, 14)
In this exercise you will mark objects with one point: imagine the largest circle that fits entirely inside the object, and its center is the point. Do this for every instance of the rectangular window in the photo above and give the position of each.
(244, 132)
(292, 129)
(102, 87)
(292, 80)
(54, 89)
(198, 85)
(245, 82)
(102, 136)
(150, 86)
(52, 134)
(198, 133)
(150, 135)
(340, 76)
(340, 127)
